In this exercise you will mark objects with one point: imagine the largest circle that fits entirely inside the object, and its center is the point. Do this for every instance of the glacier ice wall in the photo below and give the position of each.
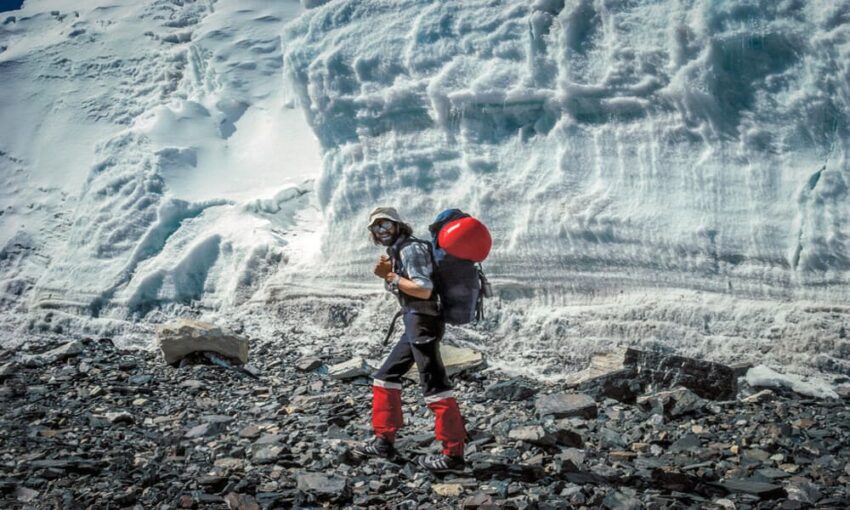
(613, 147)
(667, 173)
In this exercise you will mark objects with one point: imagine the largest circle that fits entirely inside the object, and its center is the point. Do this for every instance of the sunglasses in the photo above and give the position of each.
(381, 226)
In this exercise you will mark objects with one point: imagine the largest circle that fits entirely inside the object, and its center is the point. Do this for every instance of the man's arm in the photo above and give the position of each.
(410, 287)
(416, 259)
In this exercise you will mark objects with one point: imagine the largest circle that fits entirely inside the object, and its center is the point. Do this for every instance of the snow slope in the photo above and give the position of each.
(670, 174)
(150, 159)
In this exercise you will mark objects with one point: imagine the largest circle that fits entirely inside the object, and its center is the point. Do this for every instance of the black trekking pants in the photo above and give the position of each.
(420, 344)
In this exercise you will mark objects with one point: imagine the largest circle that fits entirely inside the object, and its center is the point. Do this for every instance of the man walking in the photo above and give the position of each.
(407, 271)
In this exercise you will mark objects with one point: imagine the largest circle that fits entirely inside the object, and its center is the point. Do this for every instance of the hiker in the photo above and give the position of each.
(407, 272)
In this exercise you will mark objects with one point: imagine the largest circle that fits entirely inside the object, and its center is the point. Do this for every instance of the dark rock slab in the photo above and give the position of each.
(205, 430)
(622, 374)
(760, 489)
(770, 474)
(75, 464)
(8, 369)
(60, 353)
(566, 405)
(321, 485)
(512, 390)
(686, 443)
(520, 472)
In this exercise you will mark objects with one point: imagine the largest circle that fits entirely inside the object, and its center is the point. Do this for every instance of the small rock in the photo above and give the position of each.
(213, 483)
(250, 432)
(477, 500)
(802, 490)
(772, 473)
(308, 364)
(573, 455)
(447, 489)
(119, 417)
(724, 503)
(789, 468)
(616, 500)
(534, 434)
(672, 403)
(205, 430)
(640, 447)
(321, 485)
(266, 454)
(240, 502)
(192, 384)
(804, 423)
(217, 419)
(140, 380)
(566, 437)
(269, 439)
(229, 463)
(25, 494)
(622, 455)
(565, 405)
(8, 369)
(686, 443)
(759, 397)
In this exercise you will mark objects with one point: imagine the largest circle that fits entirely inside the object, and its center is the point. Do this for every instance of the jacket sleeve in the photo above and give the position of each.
(416, 260)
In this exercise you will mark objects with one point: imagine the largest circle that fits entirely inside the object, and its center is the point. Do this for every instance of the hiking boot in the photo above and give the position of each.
(376, 447)
(442, 463)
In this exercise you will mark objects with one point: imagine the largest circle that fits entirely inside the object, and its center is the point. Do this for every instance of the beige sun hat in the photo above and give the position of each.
(384, 213)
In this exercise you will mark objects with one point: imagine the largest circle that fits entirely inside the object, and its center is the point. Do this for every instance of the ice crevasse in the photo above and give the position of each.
(670, 172)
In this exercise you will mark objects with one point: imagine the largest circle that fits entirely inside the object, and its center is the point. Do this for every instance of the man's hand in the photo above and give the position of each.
(383, 267)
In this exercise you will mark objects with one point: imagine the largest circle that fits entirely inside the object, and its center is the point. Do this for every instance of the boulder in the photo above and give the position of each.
(185, 336)
(355, 367)
(624, 373)
(456, 360)
(60, 353)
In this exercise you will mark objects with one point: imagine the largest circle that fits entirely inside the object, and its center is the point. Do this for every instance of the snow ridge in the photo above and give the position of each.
(185, 206)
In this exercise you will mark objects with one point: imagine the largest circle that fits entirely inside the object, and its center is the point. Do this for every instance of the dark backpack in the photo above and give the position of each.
(460, 283)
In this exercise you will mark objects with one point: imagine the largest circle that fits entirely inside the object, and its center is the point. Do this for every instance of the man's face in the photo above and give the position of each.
(385, 231)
